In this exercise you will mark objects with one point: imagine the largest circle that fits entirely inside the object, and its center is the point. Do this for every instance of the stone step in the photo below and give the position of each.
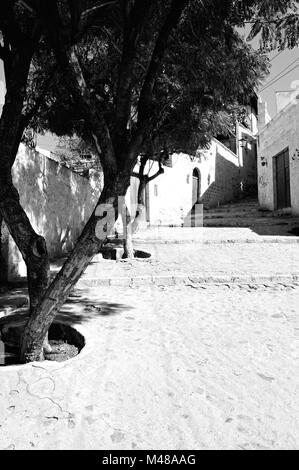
(237, 215)
(245, 222)
(230, 207)
(252, 202)
(234, 211)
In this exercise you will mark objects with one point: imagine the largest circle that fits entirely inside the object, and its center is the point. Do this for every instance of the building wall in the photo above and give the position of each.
(247, 151)
(280, 133)
(284, 98)
(170, 194)
(57, 201)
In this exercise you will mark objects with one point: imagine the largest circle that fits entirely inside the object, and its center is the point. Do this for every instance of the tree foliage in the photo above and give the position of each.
(199, 88)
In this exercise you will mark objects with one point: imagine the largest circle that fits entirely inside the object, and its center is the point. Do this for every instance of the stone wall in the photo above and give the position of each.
(280, 133)
(57, 201)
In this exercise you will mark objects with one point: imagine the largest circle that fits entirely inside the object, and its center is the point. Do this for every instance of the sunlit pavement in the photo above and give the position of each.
(164, 368)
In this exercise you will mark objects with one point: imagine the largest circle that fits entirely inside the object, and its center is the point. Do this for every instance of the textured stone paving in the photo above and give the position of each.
(212, 235)
(244, 262)
(165, 368)
(193, 366)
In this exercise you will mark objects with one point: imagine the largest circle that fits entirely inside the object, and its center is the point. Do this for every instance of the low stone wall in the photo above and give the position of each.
(57, 201)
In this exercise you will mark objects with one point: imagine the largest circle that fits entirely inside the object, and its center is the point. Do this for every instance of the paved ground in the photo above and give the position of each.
(165, 368)
(195, 365)
(196, 260)
(212, 235)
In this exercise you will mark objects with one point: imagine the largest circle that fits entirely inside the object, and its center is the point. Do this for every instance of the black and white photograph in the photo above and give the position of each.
(149, 229)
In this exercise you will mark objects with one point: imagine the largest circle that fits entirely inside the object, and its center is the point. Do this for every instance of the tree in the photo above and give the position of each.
(183, 114)
(20, 36)
(139, 33)
(198, 97)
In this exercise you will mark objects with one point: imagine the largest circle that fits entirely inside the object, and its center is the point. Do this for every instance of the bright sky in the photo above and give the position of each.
(284, 73)
(285, 66)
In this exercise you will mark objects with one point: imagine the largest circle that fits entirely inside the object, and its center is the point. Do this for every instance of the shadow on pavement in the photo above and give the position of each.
(77, 309)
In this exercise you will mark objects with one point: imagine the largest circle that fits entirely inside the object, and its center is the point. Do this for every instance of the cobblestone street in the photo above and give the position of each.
(165, 368)
(243, 260)
(196, 347)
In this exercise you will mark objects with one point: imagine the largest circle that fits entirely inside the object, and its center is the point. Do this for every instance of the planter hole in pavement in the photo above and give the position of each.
(66, 341)
(141, 254)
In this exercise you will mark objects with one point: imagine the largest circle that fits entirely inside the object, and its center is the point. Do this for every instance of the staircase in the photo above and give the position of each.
(246, 213)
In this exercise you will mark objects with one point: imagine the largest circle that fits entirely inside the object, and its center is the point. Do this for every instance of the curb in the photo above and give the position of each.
(285, 241)
(177, 280)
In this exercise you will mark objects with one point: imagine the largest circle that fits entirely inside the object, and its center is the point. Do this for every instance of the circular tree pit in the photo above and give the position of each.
(66, 342)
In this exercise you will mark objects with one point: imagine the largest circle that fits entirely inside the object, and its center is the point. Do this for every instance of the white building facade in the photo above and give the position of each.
(278, 157)
(211, 178)
(225, 172)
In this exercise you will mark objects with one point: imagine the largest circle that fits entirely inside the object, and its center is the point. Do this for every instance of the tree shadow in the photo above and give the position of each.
(77, 309)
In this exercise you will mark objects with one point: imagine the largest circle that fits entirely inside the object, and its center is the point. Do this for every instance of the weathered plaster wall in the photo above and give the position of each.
(284, 98)
(57, 201)
(170, 194)
(280, 133)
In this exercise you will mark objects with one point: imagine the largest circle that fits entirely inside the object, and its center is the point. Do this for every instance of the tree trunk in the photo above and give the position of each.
(31, 245)
(127, 233)
(98, 228)
(3, 258)
(140, 213)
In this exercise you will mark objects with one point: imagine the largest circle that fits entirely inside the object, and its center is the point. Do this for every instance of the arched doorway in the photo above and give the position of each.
(196, 186)
(196, 192)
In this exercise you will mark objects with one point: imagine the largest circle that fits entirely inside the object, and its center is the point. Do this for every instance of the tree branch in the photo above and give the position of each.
(151, 178)
(75, 17)
(26, 5)
(145, 99)
(30, 114)
(94, 10)
(67, 59)
(158, 173)
(135, 20)
(2, 53)
(10, 24)
(146, 94)
(88, 17)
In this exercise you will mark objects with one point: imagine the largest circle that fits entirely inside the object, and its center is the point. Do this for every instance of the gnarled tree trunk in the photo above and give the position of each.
(12, 123)
(98, 228)
(3, 258)
(31, 245)
(141, 209)
(127, 233)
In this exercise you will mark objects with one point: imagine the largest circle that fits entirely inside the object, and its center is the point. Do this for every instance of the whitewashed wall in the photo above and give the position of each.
(57, 201)
(280, 133)
(170, 194)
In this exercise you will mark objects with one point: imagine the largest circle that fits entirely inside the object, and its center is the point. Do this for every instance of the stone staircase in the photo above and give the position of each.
(246, 213)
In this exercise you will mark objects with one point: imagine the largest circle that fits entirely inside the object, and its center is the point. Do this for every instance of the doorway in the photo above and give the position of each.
(196, 186)
(196, 192)
(282, 191)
